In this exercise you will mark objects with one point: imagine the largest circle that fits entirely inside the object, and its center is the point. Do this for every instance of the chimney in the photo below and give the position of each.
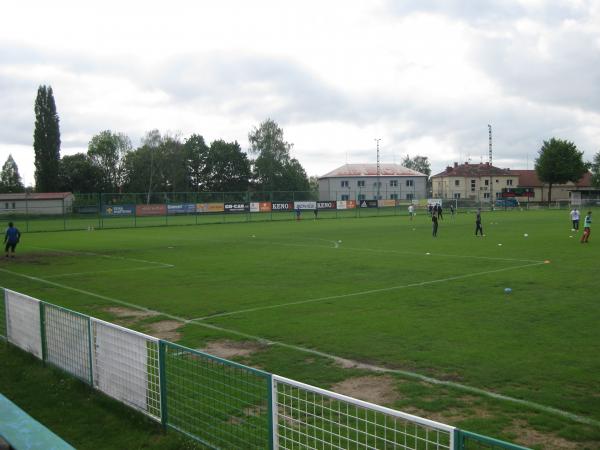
(449, 169)
(455, 165)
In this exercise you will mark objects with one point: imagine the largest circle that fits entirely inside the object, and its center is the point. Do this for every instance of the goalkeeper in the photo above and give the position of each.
(11, 239)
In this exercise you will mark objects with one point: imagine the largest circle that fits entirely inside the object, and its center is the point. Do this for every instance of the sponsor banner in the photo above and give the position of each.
(236, 207)
(305, 205)
(282, 206)
(386, 203)
(260, 206)
(341, 204)
(151, 210)
(327, 205)
(434, 201)
(209, 207)
(350, 204)
(181, 208)
(119, 210)
(367, 203)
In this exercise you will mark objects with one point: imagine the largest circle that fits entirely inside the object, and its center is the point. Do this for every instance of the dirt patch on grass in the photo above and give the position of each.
(380, 390)
(528, 436)
(165, 329)
(230, 349)
(128, 316)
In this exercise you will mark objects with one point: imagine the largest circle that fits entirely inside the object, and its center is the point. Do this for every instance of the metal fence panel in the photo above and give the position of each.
(68, 341)
(311, 418)
(220, 403)
(126, 366)
(23, 326)
(2, 314)
(471, 441)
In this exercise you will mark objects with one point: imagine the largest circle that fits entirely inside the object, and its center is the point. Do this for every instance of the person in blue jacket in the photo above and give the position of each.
(11, 239)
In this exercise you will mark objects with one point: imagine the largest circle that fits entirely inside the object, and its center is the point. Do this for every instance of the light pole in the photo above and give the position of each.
(378, 169)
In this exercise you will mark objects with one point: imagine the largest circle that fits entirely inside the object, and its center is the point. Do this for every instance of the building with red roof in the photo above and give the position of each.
(362, 182)
(36, 203)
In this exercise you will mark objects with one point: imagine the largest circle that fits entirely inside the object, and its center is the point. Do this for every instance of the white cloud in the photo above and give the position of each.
(426, 76)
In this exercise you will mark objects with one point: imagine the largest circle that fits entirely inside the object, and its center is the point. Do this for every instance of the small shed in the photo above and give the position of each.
(36, 203)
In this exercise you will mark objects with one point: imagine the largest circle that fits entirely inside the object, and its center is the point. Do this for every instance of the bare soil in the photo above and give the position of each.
(374, 389)
(529, 437)
(165, 329)
(227, 349)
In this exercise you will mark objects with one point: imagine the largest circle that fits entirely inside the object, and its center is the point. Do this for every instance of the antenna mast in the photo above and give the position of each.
(490, 134)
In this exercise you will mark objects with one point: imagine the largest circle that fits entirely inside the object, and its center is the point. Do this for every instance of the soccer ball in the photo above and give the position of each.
(525, 235)
(572, 229)
(499, 245)
(507, 290)
(339, 242)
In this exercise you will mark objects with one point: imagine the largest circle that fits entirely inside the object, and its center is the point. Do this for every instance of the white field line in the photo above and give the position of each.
(96, 272)
(368, 292)
(459, 386)
(400, 252)
(122, 258)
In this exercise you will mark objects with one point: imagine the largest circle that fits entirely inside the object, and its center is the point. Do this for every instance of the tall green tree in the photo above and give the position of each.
(196, 152)
(46, 141)
(10, 180)
(274, 169)
(107, 151)
(596, 170)
(559, 162)
(227, 168)
(78, 173)
(418, 163)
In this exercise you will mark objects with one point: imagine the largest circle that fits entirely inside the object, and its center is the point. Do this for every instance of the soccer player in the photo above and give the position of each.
(587, 228)
(575, 219)
(434, 223)
(478, 226)
(11, 239)
(298, 212)
(411, 211)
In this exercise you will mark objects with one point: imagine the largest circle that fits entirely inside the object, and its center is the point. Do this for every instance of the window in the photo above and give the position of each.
(472, 185)
(345, 197)
(409, 196)
(360, 183)
(487, 182)
(394, 196)
(409, 183)
(457, 195)
(456, 182)
(394, 183)
(509, 182)
(13, 205)
(344, 183)
(486, 195)
(377, 184)
(6, 205)
(362, 197)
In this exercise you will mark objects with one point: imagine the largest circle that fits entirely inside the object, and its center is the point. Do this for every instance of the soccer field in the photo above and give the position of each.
(329, 300)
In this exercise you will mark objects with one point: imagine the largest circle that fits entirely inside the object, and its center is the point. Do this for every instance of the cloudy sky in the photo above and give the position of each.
(424, 76)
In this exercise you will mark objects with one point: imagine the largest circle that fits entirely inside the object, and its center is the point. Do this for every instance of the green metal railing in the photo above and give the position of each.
(219, 403)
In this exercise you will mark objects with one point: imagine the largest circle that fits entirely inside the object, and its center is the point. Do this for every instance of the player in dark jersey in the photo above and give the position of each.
(11, 239)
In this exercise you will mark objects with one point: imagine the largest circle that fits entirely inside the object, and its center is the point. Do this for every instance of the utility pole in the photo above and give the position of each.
(378, 170)
(490, 158)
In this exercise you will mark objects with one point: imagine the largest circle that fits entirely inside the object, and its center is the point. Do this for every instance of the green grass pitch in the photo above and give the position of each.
(379, 291)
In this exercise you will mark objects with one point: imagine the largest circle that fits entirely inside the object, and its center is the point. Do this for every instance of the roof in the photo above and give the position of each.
(36, 196)
(370, 170)
(473, 170)
(529, 178)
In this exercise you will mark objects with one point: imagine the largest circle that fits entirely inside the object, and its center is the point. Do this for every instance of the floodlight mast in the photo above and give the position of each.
(378, 170)
(490, 158)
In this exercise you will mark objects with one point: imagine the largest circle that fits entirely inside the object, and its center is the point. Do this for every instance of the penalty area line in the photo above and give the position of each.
(368, 292)
(414, 375)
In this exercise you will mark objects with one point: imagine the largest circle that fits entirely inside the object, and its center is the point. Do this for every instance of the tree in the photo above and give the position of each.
(10, 180)
(78, 173)
(227, 168)
(196, 152)
(418, 163)
(107, 151)
(274, 169)
(596, 170)
(559, 162)
(46, 141)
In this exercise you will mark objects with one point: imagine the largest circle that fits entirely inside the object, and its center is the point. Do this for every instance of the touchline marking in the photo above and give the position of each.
(464, 387)
(372, 291)
(74, 274)
(123, 258)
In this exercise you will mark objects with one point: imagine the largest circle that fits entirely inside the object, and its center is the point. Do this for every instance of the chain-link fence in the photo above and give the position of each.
(217, 402)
